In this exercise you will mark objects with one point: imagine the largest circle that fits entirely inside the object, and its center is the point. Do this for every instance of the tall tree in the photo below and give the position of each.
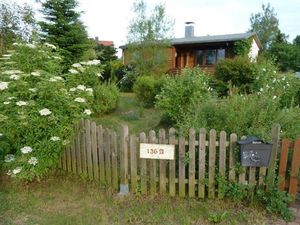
(16, 23)
(62, 27)
(266, 25)
(149, 36)
(296, 41)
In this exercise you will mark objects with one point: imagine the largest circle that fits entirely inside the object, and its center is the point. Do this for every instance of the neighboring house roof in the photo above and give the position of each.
(212, 39)
(105, 43)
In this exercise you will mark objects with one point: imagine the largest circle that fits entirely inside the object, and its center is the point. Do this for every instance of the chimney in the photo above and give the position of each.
(96, 38)
(189, 29)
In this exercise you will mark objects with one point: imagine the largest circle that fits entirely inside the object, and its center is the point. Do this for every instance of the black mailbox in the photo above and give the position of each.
(254, 152)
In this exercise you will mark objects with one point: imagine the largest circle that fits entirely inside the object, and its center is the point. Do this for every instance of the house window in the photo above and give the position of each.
(210, 57)
(199, 57)
(220, 54)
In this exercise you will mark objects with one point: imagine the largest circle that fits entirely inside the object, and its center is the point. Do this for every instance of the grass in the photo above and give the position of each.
(63, 199)
(130, 112)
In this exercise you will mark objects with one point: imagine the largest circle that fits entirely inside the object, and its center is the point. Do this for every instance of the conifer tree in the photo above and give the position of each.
(62, 27)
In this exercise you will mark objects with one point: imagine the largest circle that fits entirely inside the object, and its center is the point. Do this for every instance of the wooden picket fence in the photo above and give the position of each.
(289, 164)
(203, 162)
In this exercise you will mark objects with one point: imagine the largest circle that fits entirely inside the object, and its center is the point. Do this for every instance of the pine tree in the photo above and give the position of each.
(62, 27)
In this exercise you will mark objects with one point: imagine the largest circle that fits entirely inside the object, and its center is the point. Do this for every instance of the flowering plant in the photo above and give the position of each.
(37, 110)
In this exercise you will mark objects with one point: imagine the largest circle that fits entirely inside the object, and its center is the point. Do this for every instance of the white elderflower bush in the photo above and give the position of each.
(37, 111)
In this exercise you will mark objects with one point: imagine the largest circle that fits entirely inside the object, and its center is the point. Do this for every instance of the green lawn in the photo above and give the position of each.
(130, 112)
(64, 200)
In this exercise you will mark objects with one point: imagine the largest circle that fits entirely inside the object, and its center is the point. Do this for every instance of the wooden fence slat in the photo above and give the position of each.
(242, 175)
(172, 164)
(283, 164)
(272, 163)
(153, 186)
(181, 163)
(201, 167)
(222, 164)
(192, 160)
(73, 155)
(64, 160)
(89, 148)
(94, 150)
(78, 152)
(293, 186)
(114, 160)
(232, 146)
(60, 165)
(252, 180)
(133, 164)
(83, 147)
(143, 166)
(212, 164)
(162, 165)
(100, 146)
(69, 158)
(262, 175)
(124, 159)
(106, 141)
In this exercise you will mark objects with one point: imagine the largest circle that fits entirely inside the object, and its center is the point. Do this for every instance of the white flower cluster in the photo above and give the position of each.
(21, 103)
(14, 77)
(3, 85)
(45, 112)
(26, 149)
(36, 74)
(33, 161)
(29, 45)
(33, 89)
(9, 158)
(55, 78)
(81, 100)
(55, 138)
(17, 170)
(87, 112)
(50, 45)
(11, 72)
(91, 62)
(81, 87)
(73, 71)
(76, 65)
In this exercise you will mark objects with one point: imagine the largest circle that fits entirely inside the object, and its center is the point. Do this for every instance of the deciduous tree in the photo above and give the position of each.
(266, 25)
(16, 23)
(149, 37)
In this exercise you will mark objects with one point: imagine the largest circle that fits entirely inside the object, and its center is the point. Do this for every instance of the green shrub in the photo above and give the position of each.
(252, 114)
(181, 94)
(146, 88)
(106, 97)
(127, 81)
(275, 201)
(240, 72)
(236, 192)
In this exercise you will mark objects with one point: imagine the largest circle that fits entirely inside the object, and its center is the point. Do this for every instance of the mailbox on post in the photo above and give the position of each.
(254, 152)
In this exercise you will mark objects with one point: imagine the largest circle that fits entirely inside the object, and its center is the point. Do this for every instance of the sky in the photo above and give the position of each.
(109, 19)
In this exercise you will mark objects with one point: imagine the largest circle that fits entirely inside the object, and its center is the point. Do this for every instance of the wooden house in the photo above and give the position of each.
(203, 51)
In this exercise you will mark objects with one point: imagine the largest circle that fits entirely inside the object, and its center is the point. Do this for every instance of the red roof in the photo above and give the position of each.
(105, 43)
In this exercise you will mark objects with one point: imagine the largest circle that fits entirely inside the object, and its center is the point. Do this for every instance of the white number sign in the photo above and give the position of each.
(157, 151)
